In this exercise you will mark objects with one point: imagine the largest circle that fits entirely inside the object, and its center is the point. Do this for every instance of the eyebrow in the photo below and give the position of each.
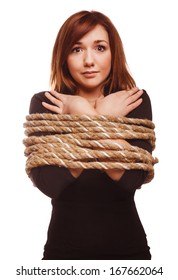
(95, 42)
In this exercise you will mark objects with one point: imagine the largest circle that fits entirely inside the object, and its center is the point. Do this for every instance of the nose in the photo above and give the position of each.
(88, 58)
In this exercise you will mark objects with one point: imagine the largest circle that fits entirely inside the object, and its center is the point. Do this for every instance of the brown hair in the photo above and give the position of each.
(73, 29)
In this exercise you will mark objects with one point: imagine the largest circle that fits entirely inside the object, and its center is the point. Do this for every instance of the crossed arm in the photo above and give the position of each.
(118, 104)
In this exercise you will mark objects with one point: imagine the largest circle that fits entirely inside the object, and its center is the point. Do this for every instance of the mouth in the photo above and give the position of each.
(90, 74)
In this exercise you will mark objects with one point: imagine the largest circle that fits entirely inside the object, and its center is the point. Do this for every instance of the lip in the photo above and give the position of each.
(90, 74)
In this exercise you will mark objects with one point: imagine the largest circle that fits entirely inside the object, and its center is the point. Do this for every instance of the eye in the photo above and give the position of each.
(101, 48)
(76, 50)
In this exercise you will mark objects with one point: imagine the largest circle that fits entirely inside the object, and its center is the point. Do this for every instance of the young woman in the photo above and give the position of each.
(94, 214)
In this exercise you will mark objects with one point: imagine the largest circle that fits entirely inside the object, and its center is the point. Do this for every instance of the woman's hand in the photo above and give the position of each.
(68, 104)
(57, 106)
(61, 102)
(120, 103)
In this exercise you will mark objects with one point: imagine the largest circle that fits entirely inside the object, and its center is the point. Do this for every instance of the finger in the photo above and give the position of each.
(58, 95)
(52, 108)
(132, 91)
(135, 96)
(53, 99)
(134, 105)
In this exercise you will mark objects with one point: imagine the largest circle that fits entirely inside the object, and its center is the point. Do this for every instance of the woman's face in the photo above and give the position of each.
(89, 61)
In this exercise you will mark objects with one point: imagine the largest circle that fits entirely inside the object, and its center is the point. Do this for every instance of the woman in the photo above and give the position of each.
(94, 214)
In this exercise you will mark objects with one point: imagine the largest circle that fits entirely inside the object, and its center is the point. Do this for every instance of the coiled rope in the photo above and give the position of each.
(76, 142)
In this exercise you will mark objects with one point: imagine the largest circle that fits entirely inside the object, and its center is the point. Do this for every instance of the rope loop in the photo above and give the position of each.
(77, 142)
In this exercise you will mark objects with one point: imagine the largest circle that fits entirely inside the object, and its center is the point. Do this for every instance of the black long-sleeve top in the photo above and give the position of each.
(93, 216)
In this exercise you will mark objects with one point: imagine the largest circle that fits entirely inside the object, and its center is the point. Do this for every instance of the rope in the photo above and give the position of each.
(76, 142)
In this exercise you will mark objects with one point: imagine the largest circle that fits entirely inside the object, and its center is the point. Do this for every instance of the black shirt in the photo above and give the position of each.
(93, 216)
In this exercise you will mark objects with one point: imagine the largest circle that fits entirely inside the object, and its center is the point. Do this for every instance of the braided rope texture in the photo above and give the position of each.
(76, 142)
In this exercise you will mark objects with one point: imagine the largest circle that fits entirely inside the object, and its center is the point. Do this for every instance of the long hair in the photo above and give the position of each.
(73, 29)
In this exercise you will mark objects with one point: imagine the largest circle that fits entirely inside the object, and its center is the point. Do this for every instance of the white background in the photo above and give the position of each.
(27, 33)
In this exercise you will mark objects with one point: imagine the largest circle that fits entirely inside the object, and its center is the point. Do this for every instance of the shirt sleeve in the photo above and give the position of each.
(133, 179)
(51, 180)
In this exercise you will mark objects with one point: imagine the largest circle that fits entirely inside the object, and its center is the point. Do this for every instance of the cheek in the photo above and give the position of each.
(73, 65)
(107, 63)
(69, 64)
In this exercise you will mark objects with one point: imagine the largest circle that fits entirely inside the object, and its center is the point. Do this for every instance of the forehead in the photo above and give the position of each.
(98, 33)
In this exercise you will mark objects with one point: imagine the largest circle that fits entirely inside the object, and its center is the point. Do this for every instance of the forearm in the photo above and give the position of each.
(51, 180)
